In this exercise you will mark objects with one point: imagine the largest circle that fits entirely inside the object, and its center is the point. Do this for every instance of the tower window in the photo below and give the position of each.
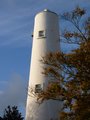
(41, 33)
(38, 88)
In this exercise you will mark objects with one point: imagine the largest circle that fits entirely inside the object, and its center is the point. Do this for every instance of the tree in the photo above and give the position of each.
(12, 113)
(1, 118)
(70, 73)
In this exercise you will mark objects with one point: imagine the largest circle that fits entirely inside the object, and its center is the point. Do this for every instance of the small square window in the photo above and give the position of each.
(41, 33)
(38, 88)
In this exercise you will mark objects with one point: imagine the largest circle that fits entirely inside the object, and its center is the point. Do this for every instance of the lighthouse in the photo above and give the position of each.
(45, 39)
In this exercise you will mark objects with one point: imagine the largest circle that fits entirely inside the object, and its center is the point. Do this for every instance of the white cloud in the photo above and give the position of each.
(1, 92)
(14, 93)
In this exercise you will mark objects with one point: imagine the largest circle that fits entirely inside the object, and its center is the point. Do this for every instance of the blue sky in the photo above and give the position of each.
(16, 26)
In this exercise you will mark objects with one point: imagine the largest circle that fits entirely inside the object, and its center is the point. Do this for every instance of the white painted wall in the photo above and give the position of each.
(48, 22)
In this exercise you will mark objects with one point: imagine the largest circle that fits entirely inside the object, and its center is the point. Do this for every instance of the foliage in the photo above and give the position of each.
(1, 118)
(70, 73)
(12, 114)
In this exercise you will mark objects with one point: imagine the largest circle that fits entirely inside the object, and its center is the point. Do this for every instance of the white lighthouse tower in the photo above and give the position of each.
(45, 39)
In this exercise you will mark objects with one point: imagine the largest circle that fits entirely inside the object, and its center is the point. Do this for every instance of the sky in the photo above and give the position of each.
(16, 26)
